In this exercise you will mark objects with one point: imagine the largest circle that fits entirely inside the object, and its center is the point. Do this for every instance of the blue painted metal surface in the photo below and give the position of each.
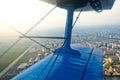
(87, 66)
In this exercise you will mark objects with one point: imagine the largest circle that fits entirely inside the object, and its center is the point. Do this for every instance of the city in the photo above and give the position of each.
(106, 39)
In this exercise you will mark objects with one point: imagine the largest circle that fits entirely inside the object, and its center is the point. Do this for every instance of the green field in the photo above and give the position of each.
(13, 53)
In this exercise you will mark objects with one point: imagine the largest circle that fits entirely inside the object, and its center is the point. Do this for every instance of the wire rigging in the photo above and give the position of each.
(40, 20)
(30, 38)
(44, 37)
(76, 21)
(77, 17)
(88, 61)
(39, 76)
(27, 32)
(53, 63)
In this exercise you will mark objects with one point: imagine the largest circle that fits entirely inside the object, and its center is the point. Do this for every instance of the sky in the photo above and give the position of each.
(22, 14)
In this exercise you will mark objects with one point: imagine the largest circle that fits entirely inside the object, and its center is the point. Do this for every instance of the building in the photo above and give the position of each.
(22, 66)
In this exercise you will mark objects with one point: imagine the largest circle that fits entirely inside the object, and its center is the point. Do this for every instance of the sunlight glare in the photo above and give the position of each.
(22, 14)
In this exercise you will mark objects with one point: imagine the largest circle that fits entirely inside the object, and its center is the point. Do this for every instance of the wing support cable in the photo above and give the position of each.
(27, 32)
(30, 38)
(43, 37)
(82, 78)
(53, 64)
(44, 68)
(76, 21)
(77, 17)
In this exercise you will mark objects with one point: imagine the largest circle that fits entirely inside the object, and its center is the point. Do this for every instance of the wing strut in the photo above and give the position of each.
(66, 48)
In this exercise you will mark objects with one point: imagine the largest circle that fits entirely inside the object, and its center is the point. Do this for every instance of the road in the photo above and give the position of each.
(14, 62)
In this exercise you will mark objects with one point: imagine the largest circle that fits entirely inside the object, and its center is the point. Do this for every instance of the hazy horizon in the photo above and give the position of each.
(23, 14)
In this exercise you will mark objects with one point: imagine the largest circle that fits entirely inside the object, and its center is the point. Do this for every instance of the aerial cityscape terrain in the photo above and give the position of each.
(27, 53)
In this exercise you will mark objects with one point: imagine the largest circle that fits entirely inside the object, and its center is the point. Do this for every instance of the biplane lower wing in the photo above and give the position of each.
(88, 66)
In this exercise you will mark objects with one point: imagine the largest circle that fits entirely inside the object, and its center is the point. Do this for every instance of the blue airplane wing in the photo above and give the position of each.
(87, 66)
